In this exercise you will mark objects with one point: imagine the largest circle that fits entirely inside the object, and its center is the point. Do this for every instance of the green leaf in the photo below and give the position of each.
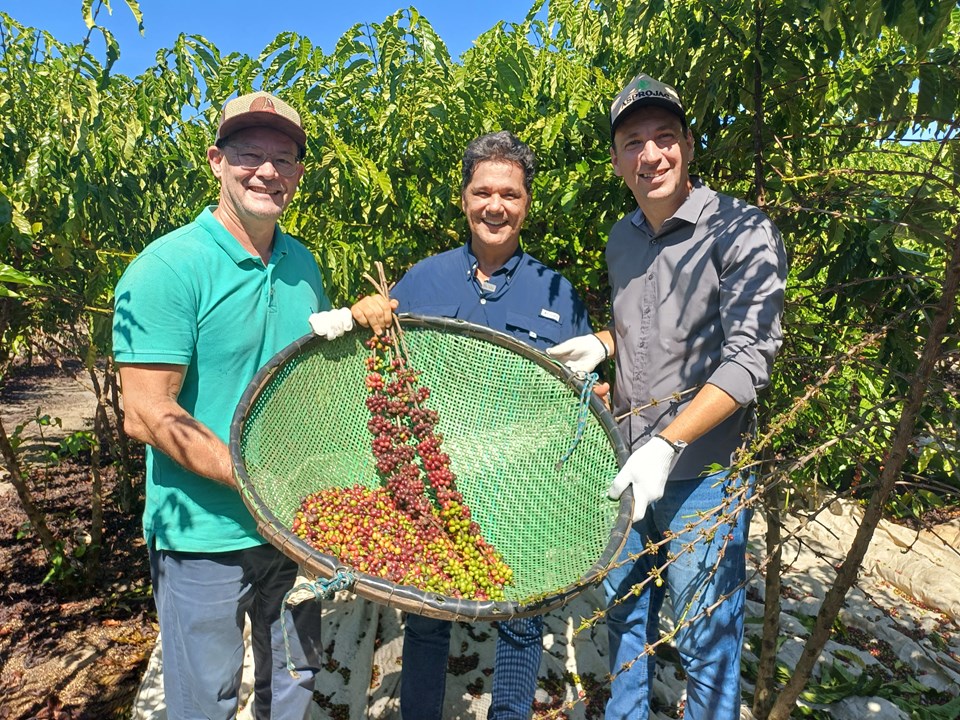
(113, 54)
(508, 72)
(138, 16)
(10, 274)
(913, 260)
(87, 11)
(569, 198)
(827, 16)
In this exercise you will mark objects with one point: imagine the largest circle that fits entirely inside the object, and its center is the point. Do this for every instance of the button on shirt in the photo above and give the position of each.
(524, 298)
(698, 302)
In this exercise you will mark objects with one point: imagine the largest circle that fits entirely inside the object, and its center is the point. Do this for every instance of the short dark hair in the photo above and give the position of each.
(502, 146)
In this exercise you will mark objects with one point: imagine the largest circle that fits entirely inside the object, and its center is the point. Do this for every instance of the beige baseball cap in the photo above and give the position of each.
(261, 109)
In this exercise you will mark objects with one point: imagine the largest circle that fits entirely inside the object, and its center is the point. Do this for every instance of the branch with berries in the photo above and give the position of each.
(415, 529)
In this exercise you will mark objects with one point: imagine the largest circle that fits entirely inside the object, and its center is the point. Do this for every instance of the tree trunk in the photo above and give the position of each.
(765, 692)
(36, 517)
(126, 497)
(101, 425)
(759, 120)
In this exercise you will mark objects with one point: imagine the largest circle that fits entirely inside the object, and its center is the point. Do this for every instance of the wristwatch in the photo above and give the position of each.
(677, 445)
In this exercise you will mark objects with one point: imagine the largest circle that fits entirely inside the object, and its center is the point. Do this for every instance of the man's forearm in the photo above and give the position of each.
(191, 444)
(709, 407)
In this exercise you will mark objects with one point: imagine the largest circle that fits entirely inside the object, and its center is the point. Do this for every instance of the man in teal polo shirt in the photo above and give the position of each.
(197, 314)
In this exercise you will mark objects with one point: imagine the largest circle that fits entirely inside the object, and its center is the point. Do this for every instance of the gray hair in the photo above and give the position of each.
(501, 146)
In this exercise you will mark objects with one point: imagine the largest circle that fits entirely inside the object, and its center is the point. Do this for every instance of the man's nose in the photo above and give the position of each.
(495, 204)
(650, 153)
(268, 169)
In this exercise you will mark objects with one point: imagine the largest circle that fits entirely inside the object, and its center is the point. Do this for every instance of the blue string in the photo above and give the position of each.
(322, 590)
(590, 379)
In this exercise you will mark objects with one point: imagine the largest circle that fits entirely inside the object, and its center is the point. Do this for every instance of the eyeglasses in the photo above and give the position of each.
(250, 157)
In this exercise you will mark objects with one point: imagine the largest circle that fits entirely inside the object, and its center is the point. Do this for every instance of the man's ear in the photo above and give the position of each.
(613, 161)
(215, 158)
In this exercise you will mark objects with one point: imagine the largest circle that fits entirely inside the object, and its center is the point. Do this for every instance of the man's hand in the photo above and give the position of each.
(581, 354)
(374, 312)
(646, 470)
(331, 324)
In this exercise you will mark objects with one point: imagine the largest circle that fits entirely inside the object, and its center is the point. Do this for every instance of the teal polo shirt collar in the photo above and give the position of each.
(500, 279)
(234, 249)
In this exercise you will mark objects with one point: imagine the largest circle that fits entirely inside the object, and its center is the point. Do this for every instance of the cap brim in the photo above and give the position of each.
(647, 102)
(263, 119)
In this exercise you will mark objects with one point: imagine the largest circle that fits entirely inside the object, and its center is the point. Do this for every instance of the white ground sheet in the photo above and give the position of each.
(909, 586)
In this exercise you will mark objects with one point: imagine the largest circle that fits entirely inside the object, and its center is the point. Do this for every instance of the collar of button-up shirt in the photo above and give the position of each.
(688, 212)
(499, 280)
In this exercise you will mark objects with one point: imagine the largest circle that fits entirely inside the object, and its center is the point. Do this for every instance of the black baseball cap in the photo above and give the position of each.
(644, 91)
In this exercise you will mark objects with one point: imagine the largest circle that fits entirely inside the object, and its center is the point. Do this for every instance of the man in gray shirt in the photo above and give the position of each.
(697, 282)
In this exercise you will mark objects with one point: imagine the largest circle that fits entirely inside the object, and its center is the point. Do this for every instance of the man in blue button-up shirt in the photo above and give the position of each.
(490, 281)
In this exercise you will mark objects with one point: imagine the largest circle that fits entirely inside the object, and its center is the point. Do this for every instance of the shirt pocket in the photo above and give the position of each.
(444, 311)
(540, 332)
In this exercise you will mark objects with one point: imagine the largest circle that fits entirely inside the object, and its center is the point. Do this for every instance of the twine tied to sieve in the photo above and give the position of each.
(583, 411)
(317, 590)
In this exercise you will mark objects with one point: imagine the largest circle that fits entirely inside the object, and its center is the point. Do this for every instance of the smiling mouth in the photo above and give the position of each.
(652, 175)
(264, 191)
(492, 223)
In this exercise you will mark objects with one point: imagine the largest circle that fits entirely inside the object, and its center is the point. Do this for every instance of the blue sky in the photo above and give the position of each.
(246, 26)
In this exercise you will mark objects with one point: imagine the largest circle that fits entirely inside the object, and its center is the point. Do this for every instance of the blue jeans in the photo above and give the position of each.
(710, 645)
(202, 599)
(426, 645)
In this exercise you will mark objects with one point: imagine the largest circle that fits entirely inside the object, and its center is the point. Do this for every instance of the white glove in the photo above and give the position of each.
(331, 324)
(646, 470)
(581, 354)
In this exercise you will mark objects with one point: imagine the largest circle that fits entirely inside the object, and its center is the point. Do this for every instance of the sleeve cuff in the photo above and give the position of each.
(736, 381)
(150, 358)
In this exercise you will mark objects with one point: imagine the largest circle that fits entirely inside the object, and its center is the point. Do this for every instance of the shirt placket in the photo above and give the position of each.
(478, 312)
(268, 291)
(269, 271)
(487, 290)
(648, 300)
